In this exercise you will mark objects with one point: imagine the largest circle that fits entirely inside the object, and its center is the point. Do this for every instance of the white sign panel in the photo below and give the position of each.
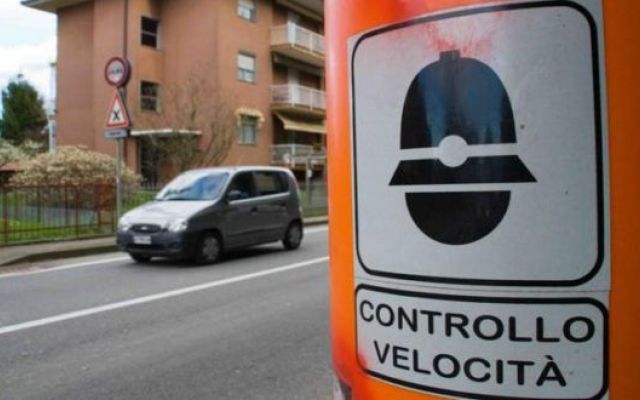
(484, 347)
(478, 142)
(115, 134)
(480, 170)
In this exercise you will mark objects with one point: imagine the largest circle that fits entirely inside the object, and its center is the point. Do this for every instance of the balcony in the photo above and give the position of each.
(297, 156)
(298, 43)
(298, 100)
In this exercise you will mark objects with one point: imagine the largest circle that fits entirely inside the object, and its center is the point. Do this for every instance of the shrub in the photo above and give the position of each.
(10, 153)
(72, 165)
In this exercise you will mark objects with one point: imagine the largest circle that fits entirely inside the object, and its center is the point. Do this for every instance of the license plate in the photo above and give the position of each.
(142, 240)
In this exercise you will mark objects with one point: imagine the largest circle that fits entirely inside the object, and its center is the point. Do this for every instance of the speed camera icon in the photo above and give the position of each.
(480, 162)
(464, 98)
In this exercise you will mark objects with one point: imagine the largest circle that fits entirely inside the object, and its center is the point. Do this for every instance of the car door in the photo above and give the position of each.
(240, 226)
(273, 193)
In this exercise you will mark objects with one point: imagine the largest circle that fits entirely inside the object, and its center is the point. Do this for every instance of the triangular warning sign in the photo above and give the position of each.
(118, 115)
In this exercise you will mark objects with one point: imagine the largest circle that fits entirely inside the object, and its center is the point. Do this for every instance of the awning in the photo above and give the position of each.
(249, 112)
(302, 125)
(167, 132)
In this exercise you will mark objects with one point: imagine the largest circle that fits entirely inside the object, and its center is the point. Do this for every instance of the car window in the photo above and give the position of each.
(268, 183)
(194, 186)
(284, 178)
(243, 183)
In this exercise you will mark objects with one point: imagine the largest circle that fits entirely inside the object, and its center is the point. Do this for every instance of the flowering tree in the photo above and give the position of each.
(72, 165)
(10, 153)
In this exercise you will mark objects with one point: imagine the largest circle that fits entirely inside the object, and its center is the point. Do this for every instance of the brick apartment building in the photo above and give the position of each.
(267, 55)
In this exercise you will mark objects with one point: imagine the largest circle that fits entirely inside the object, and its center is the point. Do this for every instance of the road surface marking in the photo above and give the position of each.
(308, 231)
(154, 297)
(62, 267)
(323, 228)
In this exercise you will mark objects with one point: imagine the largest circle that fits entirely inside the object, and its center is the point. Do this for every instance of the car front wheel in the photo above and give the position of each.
(209, 249)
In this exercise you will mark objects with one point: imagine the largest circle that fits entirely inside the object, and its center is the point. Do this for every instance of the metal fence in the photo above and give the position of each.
(293, 154)
(53, 212)
(136, 196)
(298, 96)
(313, 197)
(36, 213)
(292, 34)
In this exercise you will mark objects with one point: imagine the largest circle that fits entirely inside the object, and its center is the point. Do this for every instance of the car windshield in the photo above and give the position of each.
(194, 186)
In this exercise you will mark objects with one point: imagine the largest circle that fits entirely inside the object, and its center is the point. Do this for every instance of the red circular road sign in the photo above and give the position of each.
(117, 72)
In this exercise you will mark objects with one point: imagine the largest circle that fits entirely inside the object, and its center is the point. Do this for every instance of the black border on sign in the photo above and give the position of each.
(598, 143)
(491, 300)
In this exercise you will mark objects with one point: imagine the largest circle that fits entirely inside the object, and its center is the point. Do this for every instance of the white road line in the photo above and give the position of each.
(317, 229)
(308, 231)
(62, 267)
(154, 297)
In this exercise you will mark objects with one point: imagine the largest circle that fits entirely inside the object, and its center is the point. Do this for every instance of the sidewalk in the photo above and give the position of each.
(45, 251)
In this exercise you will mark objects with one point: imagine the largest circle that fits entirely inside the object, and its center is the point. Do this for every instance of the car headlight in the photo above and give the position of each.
(124, 224)
(177, 225)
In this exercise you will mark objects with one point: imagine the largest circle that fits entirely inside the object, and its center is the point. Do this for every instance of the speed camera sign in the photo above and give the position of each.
(484, 171)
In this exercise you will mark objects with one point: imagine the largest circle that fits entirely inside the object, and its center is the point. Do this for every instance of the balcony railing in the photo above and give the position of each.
(296, 96)
(294, 35)
(297, 154)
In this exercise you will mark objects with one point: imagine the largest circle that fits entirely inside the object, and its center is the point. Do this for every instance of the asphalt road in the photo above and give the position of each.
(251, 327)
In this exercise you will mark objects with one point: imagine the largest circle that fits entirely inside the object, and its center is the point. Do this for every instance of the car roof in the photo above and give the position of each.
(236, 169)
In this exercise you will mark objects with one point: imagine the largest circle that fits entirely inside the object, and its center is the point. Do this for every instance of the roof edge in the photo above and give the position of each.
(51, 6)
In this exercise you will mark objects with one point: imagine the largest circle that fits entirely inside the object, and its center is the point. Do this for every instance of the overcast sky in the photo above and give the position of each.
(27, 45)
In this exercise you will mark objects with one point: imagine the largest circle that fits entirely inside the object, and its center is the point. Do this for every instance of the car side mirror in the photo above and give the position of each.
(234, 195)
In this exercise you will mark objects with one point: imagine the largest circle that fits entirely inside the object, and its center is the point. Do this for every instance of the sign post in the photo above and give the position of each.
(472, 249)
(117, 73)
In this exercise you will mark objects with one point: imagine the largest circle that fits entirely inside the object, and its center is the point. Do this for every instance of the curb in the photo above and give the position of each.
(64, 249)
(315, 221)
(31, 253)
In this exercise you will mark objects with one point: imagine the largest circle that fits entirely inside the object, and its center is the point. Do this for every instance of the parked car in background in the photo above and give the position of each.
(204, 212)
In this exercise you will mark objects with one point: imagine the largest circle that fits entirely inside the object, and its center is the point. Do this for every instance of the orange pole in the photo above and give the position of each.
(623, 64)
(345, 20)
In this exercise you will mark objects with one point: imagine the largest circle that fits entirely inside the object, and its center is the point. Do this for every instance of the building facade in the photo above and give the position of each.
(265, 59)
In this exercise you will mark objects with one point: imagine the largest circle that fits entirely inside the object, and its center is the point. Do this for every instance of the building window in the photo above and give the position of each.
(248, 130)
(247, 9)
(246, 67)
(149, 96)
(150, 32)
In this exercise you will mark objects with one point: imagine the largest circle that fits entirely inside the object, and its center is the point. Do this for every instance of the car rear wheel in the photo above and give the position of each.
(140, 258)
(293, 236)
(209, 249)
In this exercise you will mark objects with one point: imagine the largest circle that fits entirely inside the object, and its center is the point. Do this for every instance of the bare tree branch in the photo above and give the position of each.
(190, 106)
